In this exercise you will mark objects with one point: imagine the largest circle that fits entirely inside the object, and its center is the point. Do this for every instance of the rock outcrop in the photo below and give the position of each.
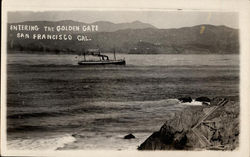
(214, 127)
(185, 99)
(203, 99)
(129, 136)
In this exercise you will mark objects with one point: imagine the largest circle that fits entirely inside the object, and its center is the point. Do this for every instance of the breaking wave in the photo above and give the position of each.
(46, 143)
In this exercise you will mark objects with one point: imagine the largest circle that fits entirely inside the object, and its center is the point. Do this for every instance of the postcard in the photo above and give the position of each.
(134, 80)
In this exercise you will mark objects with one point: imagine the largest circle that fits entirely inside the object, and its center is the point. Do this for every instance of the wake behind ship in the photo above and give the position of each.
(102, 59)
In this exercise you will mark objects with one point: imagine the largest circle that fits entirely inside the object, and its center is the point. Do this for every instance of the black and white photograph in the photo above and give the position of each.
(123, 80)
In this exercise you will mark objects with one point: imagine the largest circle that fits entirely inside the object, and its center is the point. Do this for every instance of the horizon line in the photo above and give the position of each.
(122, 23)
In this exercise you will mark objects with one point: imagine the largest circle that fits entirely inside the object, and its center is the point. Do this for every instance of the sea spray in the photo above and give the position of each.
(46, 143)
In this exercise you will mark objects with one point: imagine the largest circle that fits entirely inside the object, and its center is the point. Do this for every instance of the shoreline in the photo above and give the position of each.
(172, 133)
(213, 127)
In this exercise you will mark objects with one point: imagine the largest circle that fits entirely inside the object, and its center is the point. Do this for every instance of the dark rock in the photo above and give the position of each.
(77, 135)
(185, 99)
(129, 136)
(203, 99)
(221, 128)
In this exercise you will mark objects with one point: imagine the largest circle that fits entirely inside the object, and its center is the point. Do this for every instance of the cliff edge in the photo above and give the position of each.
(211, 127)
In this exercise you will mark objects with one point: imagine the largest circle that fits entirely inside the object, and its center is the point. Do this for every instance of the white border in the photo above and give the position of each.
(240, 6)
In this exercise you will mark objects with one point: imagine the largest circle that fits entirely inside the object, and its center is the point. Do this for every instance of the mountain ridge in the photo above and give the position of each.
(104, 26)
(137, 21)
(136, 39)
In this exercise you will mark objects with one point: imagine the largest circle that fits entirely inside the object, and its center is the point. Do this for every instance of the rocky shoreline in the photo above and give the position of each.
(213, 126)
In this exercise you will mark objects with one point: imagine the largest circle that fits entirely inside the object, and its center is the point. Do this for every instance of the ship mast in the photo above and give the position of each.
(114, 55)
(84, 57)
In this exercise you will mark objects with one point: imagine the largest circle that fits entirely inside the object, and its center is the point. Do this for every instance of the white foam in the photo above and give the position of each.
(107, 141)
(46, 143)
(193, 103)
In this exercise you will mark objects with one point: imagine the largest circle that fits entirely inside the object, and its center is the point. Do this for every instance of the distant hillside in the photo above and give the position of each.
(137, 37)
(104, 26)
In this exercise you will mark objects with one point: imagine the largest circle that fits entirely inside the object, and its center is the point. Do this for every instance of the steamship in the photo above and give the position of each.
(101, 59)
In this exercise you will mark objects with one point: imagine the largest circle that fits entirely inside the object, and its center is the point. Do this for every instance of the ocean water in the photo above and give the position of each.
(131, 59)
(52, 103)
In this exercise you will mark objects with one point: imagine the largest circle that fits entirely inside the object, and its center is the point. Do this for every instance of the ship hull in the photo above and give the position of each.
(107, 62)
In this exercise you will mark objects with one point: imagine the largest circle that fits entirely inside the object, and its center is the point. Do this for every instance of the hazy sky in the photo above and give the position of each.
(160, 19)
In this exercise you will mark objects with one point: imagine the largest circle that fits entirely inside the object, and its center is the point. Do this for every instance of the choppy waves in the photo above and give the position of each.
(45, 143)
(97, 122)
